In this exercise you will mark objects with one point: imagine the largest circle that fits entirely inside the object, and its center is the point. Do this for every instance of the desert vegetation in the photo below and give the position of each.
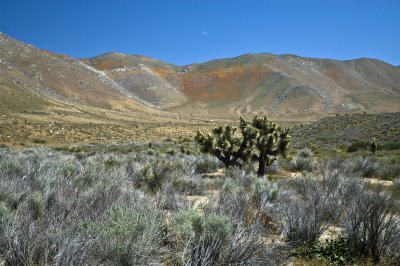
(100, 163)
(168, 203)
(269, 139)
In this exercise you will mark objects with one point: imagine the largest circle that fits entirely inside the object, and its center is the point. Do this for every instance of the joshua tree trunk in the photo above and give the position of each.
(261, 167)
(373, 146)
(261, 161)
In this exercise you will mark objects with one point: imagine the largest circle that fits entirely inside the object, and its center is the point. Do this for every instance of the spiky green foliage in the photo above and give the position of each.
(269, 139)
(223, 144)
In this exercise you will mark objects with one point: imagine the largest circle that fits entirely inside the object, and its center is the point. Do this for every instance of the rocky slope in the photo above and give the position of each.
(280, 86)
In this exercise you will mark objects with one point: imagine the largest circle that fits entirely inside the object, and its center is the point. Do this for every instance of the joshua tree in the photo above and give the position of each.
(268, 138)
(373, 146)
(271, 141)
(223, 144)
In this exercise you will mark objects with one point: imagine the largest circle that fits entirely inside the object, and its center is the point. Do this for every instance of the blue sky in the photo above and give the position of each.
(189, 31)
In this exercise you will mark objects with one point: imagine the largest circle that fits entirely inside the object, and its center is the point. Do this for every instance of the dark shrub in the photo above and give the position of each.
(360, 145)
(338, 251)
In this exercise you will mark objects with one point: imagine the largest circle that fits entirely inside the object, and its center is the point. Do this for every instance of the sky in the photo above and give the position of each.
(192, 31)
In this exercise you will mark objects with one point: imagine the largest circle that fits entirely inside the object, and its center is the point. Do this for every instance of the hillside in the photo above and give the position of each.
(58, 100)
(342, 132)
(142, 76)
(28, 72)
(42, 86)
(281, 86)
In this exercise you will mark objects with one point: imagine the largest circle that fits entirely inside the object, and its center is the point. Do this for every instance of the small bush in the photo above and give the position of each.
(215, 239)
(301, 164)
(305, 153)
(275, 166)
(334, 164)
(373, 223)
(359, 145)
(388, 171)
(241, 177)
(36, 205)
(338, 251)
(156, 174)
(168, 199)
(128, 237)
(303, 161)
(364, 166)
(181, 227)
(207, 164)
(264, 193)
(203, 237)
(189, 185)
(39, 141)
(396, 184)
(5, 210)
(314, 204)
(235, 202)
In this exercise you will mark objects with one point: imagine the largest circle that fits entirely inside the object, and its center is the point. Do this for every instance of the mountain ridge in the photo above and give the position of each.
(280, 86)
(329, 86)
(235, 57)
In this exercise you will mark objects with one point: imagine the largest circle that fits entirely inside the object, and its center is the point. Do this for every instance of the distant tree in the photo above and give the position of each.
(261, 140)
(374, 146)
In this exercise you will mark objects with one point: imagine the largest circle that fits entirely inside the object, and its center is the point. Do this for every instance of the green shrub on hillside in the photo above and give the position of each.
(359, 145)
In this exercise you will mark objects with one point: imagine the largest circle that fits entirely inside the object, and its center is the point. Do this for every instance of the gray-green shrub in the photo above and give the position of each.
(373, 223)
(303, 161)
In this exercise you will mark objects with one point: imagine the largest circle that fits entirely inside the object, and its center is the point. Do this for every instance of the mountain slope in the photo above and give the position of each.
(284, 87)
(281, 86)
(141, 76)
(36, 77)
(54, 100)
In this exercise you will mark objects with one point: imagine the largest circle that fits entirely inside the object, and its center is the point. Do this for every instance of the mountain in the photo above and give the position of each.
(281, 86)
(142, 76)
(284, 87)
(32, 79)
(55, 100)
